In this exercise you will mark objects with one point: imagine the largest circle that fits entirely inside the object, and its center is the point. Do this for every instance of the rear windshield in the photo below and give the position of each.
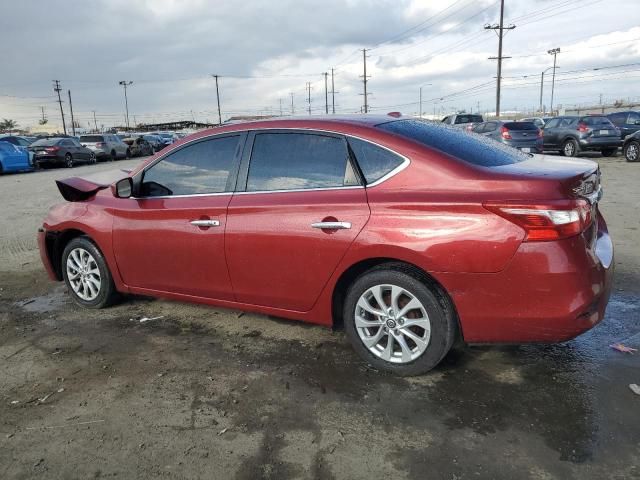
(46, 142)
(474, 149)
(520, 126)
(595, 121)
(469, 119)
(92, 138)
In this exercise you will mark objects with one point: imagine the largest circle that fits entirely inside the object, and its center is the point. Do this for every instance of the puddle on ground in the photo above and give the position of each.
(50, 302)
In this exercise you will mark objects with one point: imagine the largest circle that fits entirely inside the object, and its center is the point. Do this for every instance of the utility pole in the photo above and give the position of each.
(425, 85)
(500, 28)
(554, 52)
(365, 79)
(309, 96)
(44, 118)
(95, 122)
(293, 110)
(326, 93)
(541, 87)
(57, 89)
(125, 84)
(218, 97)
(73, 123)
(333, 95)
(280, 102)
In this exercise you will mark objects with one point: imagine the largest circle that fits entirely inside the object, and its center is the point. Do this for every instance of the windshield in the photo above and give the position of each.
(474, 149)
(45, 142)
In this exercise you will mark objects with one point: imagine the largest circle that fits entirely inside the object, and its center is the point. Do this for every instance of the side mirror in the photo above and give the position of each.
(123, 188)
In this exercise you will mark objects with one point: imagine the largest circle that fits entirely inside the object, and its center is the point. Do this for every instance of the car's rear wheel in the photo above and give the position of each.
(92, 158)
(397, 321)
(128, 154)
(570, 148)
(609, 152)
(113, 155)
(87, 275)
(632, 151)
(68, 160)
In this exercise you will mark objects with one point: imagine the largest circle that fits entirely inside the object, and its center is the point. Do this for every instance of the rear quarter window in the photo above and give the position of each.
(374, 161)
(473, 149)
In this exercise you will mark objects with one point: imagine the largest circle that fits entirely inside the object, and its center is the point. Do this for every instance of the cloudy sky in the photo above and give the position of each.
(264, 51)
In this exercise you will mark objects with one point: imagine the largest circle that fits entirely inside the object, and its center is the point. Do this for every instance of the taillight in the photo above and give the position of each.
(546, 222)
(51, 149)
(583, 127)
(504, 131)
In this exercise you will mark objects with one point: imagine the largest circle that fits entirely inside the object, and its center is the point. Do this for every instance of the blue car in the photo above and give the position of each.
(14, 158)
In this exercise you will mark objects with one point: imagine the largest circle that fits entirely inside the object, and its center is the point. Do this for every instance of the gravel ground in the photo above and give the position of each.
(212, 393)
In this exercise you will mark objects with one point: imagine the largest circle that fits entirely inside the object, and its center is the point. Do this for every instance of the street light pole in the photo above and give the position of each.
(424, 85)
(554, 52)
(125, 83)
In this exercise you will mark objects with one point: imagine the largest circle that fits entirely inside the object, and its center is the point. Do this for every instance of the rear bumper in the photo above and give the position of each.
(599, 143)
(550, 292)
(47, 159)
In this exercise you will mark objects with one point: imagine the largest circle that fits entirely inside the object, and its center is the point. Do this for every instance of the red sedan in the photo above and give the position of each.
(410, 235)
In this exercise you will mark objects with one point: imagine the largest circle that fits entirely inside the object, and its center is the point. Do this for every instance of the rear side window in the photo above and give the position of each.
(552, 123)
(374, 161)
(520, 126)
(597, 121)
(292, 161)
(473, 149)
(200, 168)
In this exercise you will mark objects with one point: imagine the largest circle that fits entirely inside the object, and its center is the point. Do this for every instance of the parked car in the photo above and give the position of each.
(167, 138)
(537, 121)
(66, 151)
(14, 158)
(156, 142)
(410, 235)
(571, 135)
(106, 146)
(524, 136)
(138, 146)
(463, 120)
(631, 147)
(627, 122)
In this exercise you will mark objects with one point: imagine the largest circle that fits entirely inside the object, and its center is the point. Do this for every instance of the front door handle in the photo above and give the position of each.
(205, 223)
(332, 225)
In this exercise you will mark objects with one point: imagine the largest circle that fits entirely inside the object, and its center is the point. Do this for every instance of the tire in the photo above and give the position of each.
(631, 151)
(433, 322)
(609, 152)
(79, 253)
(570, 148)
(68, 161)
(92, 159)
(128, 154)
(113, 155)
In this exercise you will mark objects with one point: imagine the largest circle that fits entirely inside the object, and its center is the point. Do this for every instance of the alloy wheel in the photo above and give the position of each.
(569, 149)
(632, 152)
(83, 274)
(392, 323)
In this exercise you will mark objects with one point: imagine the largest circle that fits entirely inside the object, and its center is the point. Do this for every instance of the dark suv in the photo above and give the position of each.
(627, 122)
(572, 135)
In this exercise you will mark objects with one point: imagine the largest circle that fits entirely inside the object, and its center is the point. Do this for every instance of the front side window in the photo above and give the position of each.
(634, 119)
(293, 161)
(375, 162)
(200, 168)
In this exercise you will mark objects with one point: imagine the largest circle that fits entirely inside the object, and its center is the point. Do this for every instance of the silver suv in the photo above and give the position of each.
(106, 146)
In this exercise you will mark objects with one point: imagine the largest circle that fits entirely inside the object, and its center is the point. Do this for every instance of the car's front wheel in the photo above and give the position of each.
(632, 151)
(68, 161)
(87, 275)
(397, 321)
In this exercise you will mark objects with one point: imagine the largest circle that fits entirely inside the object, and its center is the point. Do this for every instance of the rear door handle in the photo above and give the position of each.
(332, 225)
(205, 223)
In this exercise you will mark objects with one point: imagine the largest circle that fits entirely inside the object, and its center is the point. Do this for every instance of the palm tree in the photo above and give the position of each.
(8, 125)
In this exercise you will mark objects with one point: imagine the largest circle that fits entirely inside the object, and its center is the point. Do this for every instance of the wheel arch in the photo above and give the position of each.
(350, 274)
(56, 244)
